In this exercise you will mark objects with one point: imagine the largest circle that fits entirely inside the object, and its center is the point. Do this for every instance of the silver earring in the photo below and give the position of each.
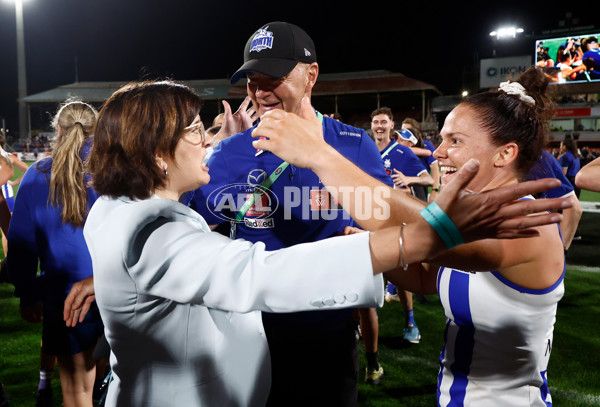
(166, 172)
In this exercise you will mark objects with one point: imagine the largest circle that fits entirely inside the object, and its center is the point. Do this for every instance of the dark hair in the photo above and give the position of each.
(383, 110)
(415, 128)
(413, 123)
(510, 119)
(138, 121)
(571, 145)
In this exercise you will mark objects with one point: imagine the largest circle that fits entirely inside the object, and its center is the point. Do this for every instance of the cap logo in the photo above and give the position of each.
(307, 53)
(262, 40)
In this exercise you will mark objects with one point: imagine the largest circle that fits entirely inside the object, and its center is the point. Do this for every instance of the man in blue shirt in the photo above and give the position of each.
(406, 169)
(263, 199)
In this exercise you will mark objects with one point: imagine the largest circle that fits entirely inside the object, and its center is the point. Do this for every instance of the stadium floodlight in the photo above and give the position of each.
(506, 32)
(21, 73)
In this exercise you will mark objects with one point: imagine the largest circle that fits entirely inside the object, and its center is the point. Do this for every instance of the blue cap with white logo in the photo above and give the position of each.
(275, 49)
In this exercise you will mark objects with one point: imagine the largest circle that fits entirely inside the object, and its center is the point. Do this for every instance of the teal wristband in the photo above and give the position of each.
(443, 225)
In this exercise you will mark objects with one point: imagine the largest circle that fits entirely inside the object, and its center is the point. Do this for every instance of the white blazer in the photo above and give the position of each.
(181, 304)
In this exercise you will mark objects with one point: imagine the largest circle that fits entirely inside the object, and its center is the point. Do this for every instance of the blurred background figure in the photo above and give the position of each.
(46, 231)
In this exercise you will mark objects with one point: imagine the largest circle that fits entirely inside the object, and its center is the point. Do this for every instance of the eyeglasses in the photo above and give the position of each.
(195, 134)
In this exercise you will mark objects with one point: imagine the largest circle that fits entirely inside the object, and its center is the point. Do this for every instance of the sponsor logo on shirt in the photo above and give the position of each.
(260, 223)
(348, 133)
(256, 177)
(321, 200)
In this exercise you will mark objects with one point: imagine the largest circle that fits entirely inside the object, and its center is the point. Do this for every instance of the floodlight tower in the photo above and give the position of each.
(506, 32)
(21, 71)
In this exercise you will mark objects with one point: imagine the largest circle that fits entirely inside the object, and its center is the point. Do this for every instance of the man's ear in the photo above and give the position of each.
(312, 73)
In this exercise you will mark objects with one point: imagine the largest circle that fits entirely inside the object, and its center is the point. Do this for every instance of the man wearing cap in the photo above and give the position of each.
(313, 354)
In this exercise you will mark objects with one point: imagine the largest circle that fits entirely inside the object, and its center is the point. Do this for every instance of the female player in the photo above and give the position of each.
(501, 309)
(46, 231)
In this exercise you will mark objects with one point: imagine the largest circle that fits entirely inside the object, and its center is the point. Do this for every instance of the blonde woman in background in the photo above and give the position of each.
(46, 230)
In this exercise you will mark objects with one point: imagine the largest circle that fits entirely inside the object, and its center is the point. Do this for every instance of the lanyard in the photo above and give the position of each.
(259, 190)
(386, 152)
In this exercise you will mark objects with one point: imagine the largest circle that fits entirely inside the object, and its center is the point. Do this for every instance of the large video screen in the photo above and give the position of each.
(570, 59)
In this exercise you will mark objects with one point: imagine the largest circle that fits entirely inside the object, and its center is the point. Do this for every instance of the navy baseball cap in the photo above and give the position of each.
(275, 49)
(408, 135)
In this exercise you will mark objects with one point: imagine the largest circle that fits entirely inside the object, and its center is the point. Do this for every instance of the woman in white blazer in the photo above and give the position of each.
(181, 304)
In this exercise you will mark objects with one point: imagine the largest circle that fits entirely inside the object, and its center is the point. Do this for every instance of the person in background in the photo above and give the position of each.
(401, 162)
(428, 160)
(6, 173)
(548, 166)
(412, 139)
(8, 187)
(569, 161)
(46, 231)
(47, 362)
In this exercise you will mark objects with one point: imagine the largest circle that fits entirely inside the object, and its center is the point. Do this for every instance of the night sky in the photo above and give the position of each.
(122, 40)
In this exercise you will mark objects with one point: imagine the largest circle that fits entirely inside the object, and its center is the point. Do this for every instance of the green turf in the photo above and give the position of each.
(589, 196)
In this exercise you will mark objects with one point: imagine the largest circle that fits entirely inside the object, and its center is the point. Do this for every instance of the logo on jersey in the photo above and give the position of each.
(387, 163)
(262, 40)
(256, 177)
(321, 200)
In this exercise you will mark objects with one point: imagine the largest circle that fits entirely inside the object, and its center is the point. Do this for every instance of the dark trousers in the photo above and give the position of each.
(313, 366)
(575, 187)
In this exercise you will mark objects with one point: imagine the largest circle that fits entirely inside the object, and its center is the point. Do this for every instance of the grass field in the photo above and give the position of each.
(410, 370)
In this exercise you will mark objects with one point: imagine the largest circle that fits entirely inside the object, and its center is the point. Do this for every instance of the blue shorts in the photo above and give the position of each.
(58, 339)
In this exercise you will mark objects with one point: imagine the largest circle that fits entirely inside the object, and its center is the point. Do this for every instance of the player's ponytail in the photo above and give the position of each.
(74, 124)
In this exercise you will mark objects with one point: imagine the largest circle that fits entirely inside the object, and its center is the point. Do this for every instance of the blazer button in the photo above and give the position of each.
(316, 303)
(352, 297)
(339, 298)
(329, 302)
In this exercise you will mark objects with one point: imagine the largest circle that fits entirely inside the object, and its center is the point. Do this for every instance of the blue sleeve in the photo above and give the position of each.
(429, 160)
(22, 264)
(565, 161)
(549, 167)
(410, 165)
(369, 160)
